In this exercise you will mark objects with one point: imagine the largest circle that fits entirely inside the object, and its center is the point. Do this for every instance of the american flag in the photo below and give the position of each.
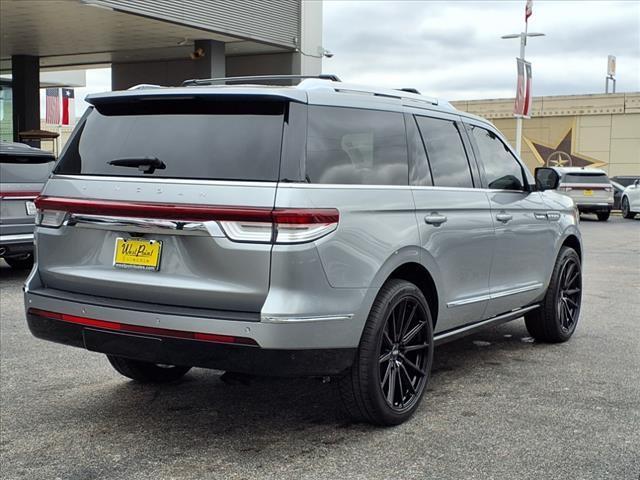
(53, 106)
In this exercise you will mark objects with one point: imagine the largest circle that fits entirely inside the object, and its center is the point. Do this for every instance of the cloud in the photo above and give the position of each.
(453, 49)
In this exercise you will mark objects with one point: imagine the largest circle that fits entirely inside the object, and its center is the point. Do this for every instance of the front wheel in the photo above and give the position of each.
(603, 216)
(393, 363)
(557, 317)
(145, 372)
(626, 209)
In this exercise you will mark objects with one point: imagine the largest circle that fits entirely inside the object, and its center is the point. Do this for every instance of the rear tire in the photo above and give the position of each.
(145, 372)
(20, 263)
(392, 367)
(603, 216)
(626, 209)
(557, 317)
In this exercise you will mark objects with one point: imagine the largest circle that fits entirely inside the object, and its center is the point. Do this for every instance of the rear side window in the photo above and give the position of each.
(194, 138)
(356, 146)
(447, 156)
(501, 169)
(585, 178)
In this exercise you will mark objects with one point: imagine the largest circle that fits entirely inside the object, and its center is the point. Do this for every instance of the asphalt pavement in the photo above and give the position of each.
(499, 406)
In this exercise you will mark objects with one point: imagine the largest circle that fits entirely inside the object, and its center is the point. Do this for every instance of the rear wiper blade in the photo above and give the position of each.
(144, 164)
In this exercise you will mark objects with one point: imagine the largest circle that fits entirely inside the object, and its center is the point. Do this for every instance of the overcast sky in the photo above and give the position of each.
(453, 50)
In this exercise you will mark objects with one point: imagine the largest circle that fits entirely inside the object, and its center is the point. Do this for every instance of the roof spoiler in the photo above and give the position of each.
(265, 79)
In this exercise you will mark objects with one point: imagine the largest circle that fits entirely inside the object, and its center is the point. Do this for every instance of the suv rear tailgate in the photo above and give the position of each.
(198, 268)
(171, 156)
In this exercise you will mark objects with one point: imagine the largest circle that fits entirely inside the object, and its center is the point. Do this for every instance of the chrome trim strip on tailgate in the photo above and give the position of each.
(151, 225)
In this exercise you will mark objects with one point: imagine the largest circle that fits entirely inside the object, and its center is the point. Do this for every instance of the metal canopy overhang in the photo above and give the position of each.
(65, 33)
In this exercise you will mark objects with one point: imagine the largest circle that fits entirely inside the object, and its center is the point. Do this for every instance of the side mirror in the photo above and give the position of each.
(637, 182)
(546, 178)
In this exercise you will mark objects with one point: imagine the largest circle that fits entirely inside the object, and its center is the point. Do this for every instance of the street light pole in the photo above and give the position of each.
(523, 43)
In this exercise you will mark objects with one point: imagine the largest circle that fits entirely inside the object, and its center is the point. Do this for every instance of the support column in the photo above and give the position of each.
(25, 73)
(212, 64)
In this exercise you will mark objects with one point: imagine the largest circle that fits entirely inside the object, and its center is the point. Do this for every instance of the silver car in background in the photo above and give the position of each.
(23, 171)
(589, 188)
(317, 229)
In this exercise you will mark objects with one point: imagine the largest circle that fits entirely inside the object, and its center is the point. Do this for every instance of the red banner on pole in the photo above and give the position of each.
(528, 10)
(522, 106)
(528, 99)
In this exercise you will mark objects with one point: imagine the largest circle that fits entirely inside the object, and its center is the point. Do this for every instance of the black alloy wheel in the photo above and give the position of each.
(556, 317)
(569, 294)
(404, 354)
(392, 366)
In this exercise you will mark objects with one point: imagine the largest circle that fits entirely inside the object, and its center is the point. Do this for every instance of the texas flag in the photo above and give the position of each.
(68, 107)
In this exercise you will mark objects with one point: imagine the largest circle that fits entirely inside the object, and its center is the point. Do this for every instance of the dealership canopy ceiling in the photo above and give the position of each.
(67, 33)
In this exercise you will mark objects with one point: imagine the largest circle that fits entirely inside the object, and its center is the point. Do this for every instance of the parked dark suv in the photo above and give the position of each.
(23, 171)
(322, 229)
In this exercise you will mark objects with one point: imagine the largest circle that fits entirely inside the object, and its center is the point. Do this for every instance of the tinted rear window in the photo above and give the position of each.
(585, 178)
(356, 146)
(200, 139)
(446, 153)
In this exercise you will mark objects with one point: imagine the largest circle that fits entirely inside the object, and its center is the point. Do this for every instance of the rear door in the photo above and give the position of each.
(172, 181)
(454, 219)
(524, 238)
(21, 179)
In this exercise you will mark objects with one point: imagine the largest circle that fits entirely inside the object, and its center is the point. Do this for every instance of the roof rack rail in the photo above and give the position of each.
(407, 97)
(410, 90)
(255, 78)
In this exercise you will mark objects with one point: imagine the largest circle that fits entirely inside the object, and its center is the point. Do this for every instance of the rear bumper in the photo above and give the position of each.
(16, 244)
(191, 337)
(594, 207)
(205, 354)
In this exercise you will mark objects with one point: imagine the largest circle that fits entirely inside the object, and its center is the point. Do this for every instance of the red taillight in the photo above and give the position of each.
(240, 224)
(123, 327)
(306, 216)
(19, 195)
(186, 212)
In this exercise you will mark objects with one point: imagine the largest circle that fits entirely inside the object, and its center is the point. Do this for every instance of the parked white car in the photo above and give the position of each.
(589, 188)
(630, 203)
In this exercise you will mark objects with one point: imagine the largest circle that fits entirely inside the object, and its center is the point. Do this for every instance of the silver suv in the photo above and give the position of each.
(318, 229)
(589, 188)
(23, 171)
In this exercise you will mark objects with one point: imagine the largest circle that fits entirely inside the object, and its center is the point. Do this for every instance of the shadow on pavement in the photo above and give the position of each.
(202, 406)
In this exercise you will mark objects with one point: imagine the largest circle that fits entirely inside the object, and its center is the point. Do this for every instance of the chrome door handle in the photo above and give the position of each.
(435, 219)
(504, 217)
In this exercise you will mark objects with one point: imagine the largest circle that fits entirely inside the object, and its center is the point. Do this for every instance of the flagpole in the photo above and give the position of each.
(523, 43)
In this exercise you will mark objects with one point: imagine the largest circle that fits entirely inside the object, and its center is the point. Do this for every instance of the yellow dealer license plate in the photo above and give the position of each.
(588, 193)
(137, 254)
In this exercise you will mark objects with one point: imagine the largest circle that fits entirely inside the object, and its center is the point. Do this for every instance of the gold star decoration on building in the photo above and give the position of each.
(561, 155)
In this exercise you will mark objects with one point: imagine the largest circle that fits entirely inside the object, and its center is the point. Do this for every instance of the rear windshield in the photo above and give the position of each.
(25, 172)
(585, 178)
(192, 138)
